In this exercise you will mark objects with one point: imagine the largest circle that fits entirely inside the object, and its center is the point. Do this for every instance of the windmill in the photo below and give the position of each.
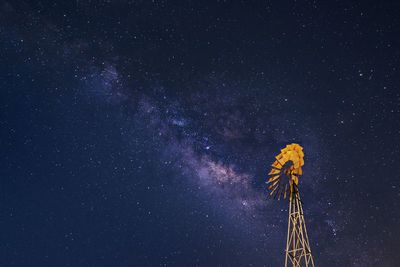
(284, 181)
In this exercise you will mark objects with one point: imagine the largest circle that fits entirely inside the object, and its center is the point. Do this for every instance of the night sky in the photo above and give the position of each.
(141, 133)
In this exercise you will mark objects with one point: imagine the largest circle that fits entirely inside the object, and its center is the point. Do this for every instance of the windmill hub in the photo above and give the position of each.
(287, 168)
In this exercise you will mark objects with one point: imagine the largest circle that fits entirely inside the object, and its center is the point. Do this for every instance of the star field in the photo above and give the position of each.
(140, 133)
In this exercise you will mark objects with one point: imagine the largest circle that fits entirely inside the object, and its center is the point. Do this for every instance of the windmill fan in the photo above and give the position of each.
(285, 172)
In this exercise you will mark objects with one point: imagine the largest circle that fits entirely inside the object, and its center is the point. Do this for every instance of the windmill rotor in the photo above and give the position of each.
(285, 171)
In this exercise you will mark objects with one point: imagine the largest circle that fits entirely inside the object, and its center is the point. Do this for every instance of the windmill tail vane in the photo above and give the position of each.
(284, 182)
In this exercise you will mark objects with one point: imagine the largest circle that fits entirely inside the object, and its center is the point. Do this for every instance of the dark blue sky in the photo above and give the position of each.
(140, 133)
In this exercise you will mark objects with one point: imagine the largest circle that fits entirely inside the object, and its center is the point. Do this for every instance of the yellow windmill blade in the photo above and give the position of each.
(274, 171)
(286, 189)
(273, 190)
(273, 184)
(273, 178)
(276, 165)
(295, 179)
(297, 171)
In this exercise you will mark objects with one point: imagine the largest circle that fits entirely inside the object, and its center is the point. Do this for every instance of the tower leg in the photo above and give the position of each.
(298, 251)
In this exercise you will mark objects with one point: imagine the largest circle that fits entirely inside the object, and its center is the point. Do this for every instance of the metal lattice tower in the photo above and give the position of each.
(284, 179)
(298, 251)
